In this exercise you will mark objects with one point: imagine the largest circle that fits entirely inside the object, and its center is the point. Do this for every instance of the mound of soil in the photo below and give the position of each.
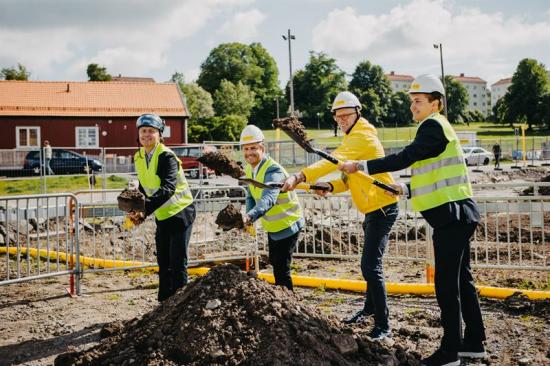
(543, 191)
(131, 200)
(230, 218)
(229, 317)
(221, 164)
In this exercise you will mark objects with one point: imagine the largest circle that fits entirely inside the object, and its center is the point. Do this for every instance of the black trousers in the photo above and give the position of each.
(172, 242)
(280, 257)
(454, 286)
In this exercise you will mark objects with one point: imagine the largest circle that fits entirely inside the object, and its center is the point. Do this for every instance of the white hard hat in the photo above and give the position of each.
(427, 83)
(251, 134)
(345, 99)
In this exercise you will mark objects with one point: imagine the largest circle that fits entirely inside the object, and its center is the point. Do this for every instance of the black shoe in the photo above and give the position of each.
(379, 333)
(442, 358)
(359, 317)
(472, 350)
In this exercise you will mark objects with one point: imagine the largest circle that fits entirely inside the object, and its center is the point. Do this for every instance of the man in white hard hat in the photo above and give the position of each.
(361, 141)
(441, 191)
(279, 212)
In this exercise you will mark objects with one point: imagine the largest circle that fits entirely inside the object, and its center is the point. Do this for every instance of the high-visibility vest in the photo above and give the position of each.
(442, 179)
(150, 182)
(287, 209)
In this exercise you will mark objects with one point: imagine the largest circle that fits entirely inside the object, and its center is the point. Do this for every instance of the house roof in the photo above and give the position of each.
(136, 79)
(396, 77)
(90, 99)
(503, 81)
(469, 79)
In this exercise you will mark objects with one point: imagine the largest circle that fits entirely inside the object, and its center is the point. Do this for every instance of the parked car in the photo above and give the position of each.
(477, 156)
(63, 162)
(189, 155)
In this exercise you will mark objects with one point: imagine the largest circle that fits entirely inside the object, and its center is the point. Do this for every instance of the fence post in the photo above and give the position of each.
(430, 260)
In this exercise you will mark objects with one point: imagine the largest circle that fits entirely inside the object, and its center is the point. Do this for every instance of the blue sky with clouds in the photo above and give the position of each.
(57, 39)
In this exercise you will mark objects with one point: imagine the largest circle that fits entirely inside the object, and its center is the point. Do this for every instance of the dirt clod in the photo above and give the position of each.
(246, 328)
(230, 218)
(131, 200)
(294, 128)
(221, 164)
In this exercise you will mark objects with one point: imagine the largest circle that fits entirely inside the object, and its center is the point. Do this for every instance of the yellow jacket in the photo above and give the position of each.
(361, 143)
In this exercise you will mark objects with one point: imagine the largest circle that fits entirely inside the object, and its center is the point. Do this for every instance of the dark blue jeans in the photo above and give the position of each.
(377, 226)
(280, 257)
(172, 242)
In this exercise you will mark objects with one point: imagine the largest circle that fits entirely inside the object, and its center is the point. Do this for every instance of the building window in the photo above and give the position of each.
(475, 104)
(475, 95)
(27, 136)
(87, 137)
(475, 86)
(167, 132)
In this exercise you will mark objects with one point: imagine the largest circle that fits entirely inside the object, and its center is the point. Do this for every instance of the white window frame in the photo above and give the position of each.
(167, 131)
(77, 129)
(18, 143)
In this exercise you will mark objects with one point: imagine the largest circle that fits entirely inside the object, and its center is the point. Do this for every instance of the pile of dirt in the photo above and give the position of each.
(131, 200)
(230, 218)
(221, 164)
(292, 127)
(520, 175)
(229, 317)
(543, 191)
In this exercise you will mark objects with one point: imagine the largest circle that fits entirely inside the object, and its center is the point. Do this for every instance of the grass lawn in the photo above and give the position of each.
(57, 184)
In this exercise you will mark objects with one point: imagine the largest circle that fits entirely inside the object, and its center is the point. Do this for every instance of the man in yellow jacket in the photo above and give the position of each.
(361, 140)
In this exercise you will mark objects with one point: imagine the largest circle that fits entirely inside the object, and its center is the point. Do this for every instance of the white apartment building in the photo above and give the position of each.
(399, 82)
(477, 92)
(499, 88)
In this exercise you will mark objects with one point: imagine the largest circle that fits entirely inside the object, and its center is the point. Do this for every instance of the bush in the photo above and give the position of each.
(225, 128)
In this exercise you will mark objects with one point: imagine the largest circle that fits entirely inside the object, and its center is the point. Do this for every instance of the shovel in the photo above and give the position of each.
(296, 132)
(274, 185)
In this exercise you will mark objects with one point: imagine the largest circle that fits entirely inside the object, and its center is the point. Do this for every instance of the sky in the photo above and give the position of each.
(57, 39)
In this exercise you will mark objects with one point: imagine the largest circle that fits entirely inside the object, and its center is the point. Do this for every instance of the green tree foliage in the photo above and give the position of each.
(199, 101)
(12, 73)
(236, 99)
(457, 99)
(374, 90)
(500, 111)
(473, 116)
(544, 110)
(220, 128)
(315, 87)
(400, 111)
(97, 73)
(524, 97)
(251, 65)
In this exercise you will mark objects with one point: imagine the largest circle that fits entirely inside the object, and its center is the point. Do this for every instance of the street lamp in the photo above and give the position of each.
(289, 37)
(318, 123)
(440, 47)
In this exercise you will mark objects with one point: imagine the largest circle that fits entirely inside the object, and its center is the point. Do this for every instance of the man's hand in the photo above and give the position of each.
(349, 167)
(323, 193)
(137, 217)
(397, 187)
(292, 181)
(247, 221)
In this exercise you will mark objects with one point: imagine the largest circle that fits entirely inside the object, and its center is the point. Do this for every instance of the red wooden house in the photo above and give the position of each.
(86, 114)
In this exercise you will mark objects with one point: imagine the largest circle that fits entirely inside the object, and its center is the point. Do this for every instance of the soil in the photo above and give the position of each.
(230, 218)
(544, 191)
(221, 164)
(131, 200)
(293, 128)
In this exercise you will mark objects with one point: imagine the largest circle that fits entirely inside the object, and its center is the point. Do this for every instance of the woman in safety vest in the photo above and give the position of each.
(168, 197)
(279, 212)
(361, 142)
(441, 191)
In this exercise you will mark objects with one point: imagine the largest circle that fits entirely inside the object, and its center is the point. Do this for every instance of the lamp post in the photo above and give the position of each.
(318, 122)
(440, 47)
(289, 37)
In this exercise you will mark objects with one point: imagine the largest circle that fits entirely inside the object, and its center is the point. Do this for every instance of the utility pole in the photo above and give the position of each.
(289, 37)
(440, 47)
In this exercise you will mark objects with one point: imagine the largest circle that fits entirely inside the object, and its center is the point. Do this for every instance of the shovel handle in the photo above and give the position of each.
(377, 183)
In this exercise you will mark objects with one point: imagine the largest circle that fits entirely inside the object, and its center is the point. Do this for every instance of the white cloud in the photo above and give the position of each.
(477, 43)
(243, 26)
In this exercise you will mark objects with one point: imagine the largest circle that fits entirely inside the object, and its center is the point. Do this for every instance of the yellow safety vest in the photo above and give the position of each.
(285, 212)
(150, 182)
(442, 179)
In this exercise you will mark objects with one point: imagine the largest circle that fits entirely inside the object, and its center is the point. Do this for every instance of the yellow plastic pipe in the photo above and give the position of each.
(304, 281)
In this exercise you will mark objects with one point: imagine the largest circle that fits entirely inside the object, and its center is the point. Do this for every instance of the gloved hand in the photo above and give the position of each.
(137, 217)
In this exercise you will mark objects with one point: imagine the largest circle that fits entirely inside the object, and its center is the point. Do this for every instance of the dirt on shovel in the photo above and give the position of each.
(131, 200)
(294, 128)
(221, 164)
(230, 218)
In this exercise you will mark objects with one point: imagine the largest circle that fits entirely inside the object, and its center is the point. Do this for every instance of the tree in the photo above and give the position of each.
(219, 128)
(97, 73)
(373, 89)
(457, 99)
(199, 101)
(315, 87)
(236, 99)
(251, 65)
(400, 111)
(523, 99)
(500, 111)
(544, 110)
(12, 73)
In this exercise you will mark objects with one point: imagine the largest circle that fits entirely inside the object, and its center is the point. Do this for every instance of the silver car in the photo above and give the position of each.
(477, 156)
